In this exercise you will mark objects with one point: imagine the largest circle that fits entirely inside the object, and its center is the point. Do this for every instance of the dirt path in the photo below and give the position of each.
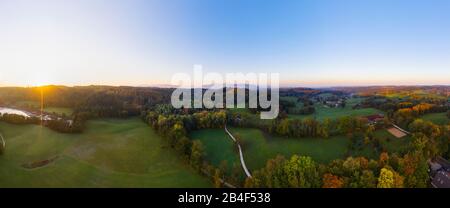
(241, 156)
(402, 130)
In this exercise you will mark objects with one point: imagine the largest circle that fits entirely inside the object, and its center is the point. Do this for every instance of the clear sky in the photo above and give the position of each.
(309, 42)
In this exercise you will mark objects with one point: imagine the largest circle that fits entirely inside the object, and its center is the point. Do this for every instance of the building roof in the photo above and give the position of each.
(443, 162)
(434, 166)
(441, 180)
(375, 117)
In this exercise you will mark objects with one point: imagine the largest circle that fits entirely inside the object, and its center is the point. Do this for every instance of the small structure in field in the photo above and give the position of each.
(374, 119)
(397, 133)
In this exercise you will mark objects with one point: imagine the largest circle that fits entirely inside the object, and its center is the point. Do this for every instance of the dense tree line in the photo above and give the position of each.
(391, 105)
(19, 119)
(97, 101)
(405, 116)
(408, 169)
(296, 172)
(302, 172)
(404, 111)
(74, 125)
(290, 107)
(175, 129)
(431, 139)
(391, 170)
(298, 128)
(88, 103)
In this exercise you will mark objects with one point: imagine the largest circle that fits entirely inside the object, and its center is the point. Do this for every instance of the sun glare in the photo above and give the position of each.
(38, 82)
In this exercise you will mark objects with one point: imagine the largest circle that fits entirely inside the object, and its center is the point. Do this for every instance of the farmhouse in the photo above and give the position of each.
(439, 172)
(441, 180)
(332, 104)
(374, 119)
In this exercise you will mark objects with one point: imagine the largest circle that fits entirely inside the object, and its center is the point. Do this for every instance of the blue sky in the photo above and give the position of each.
(309, 42)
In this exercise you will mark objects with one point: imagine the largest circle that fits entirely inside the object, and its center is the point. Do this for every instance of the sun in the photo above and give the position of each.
(38, 82)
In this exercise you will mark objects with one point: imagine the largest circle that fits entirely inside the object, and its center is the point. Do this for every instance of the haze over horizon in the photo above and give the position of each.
(141, 43)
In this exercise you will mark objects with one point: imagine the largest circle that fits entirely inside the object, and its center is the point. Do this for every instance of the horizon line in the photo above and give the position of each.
(168, 86)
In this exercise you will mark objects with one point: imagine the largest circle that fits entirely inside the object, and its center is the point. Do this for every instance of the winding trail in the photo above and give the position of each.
(241, 156)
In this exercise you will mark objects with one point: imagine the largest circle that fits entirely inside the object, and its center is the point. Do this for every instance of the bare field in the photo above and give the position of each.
(397, 133)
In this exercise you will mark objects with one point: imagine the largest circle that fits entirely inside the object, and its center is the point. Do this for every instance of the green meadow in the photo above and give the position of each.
(110, 153)
(258, 147)
(218, 146)
(437, 118)
(323, 112)
(390, 143)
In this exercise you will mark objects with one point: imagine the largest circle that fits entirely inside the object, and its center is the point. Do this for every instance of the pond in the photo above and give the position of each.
(13, 111)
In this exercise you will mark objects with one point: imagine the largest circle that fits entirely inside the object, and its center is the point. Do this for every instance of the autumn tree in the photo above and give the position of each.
(398, 180)
(415, 169)
(183, 146)
(332, 181)
(386, 179)
(236, 172)
(367, 179)
(297, 172)
(384, 159)
(302, 172)
(197, 154)
(217, 179)
(223, 167)
(390, 179)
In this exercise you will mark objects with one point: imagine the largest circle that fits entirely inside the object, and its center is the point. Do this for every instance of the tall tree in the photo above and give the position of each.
(197, 154)
(386, 179)
(332, 181)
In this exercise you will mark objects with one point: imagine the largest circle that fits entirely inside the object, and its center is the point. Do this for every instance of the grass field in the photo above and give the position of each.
(110, 153)
(323, 112)
(391, 144)
(218, 145)
(437, 118)
(259, 147)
